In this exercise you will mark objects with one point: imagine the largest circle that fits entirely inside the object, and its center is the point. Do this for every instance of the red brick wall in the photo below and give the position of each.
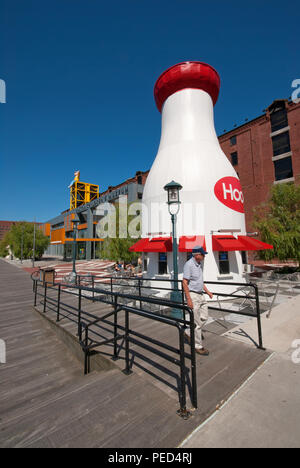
(255, 151)
(5, 227)
(294, 123)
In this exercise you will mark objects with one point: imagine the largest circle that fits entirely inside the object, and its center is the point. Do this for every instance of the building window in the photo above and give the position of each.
(281, 144)
(283, 168)
(145, 262)
(224, 266)
(139, 180)
(140, 196)
(244, 257)
(234, 158)
(162, 264)
(279, 120)
(233, 140)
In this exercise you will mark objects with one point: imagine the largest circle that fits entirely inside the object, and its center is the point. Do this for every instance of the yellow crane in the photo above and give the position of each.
(82, 192)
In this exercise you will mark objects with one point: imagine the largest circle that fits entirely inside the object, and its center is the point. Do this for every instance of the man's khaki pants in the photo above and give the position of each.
(200, 317)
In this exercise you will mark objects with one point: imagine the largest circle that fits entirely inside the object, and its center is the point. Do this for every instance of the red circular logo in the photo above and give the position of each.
(229, 192)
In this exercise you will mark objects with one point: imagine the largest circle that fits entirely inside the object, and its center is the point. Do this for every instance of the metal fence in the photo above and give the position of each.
(245, 292)
(112, 291)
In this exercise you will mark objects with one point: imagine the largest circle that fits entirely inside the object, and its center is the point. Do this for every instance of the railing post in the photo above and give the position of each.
(259, 328)
(182, 293)
(35, 292)
(45, 297)
(58, 303)
(140, 292)
(127, 370)
(79, 310)
(93, 286)
(111, 289)
(193, 360)
(86, 352)
(182, 412)
(115, 356)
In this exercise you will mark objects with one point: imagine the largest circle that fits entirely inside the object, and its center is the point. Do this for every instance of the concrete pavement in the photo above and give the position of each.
(265, 411)
(279, 331)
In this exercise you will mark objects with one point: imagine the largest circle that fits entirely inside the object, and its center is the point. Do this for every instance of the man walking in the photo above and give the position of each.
(194, 289)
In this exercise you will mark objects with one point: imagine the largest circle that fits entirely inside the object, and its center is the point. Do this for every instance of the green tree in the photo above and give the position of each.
(22, 234)
(117, 248)
(4, 246)
(278, 222)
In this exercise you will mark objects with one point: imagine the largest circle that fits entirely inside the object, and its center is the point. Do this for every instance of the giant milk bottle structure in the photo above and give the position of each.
(211, 211)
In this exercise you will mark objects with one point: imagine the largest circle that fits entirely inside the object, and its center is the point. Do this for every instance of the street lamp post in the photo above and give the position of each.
(22, 243)
(33, 248)
(174, 202)
(75, 221)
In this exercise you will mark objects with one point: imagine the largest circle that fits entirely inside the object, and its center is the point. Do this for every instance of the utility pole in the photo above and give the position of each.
(33, 250)
(22, 242)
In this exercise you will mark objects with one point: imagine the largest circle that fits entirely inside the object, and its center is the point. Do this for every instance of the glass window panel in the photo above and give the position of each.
(162, 264)
(224, 265)
(234, 159)
(283, 168)
(281, 144)
(233, 140)
(279, 120)
(244, 257)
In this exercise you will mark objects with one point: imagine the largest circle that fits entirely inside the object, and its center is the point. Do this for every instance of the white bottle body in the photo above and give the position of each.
(189, 153)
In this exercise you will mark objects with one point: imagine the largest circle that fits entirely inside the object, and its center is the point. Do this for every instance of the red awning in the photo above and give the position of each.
(157, 244)
(139, 245)
(227, 244)
(220, 243)
(254, 244)
(187, 243)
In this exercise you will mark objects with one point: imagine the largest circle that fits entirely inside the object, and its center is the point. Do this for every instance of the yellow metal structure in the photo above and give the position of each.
(82, 192)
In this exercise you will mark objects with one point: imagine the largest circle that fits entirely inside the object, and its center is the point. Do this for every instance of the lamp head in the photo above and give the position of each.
(173, 189)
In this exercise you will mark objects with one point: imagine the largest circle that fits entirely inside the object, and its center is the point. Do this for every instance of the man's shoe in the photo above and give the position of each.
(202, 351)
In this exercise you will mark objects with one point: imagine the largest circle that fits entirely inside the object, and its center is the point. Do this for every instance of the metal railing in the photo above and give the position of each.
(103, 289)
(89, 326)
(140, 284)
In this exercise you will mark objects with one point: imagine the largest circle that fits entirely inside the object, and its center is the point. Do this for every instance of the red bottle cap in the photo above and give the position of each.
(197, 75)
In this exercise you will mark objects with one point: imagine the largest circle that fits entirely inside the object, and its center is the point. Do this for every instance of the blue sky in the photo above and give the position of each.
(80, 77)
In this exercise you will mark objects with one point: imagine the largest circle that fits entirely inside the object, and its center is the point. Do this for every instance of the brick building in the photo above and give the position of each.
(5, 226)
(265, 151)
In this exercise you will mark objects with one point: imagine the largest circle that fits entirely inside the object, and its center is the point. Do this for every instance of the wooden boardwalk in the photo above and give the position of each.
(45, 401)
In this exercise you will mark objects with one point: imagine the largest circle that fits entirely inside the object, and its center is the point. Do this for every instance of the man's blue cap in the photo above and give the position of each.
(199, 250)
